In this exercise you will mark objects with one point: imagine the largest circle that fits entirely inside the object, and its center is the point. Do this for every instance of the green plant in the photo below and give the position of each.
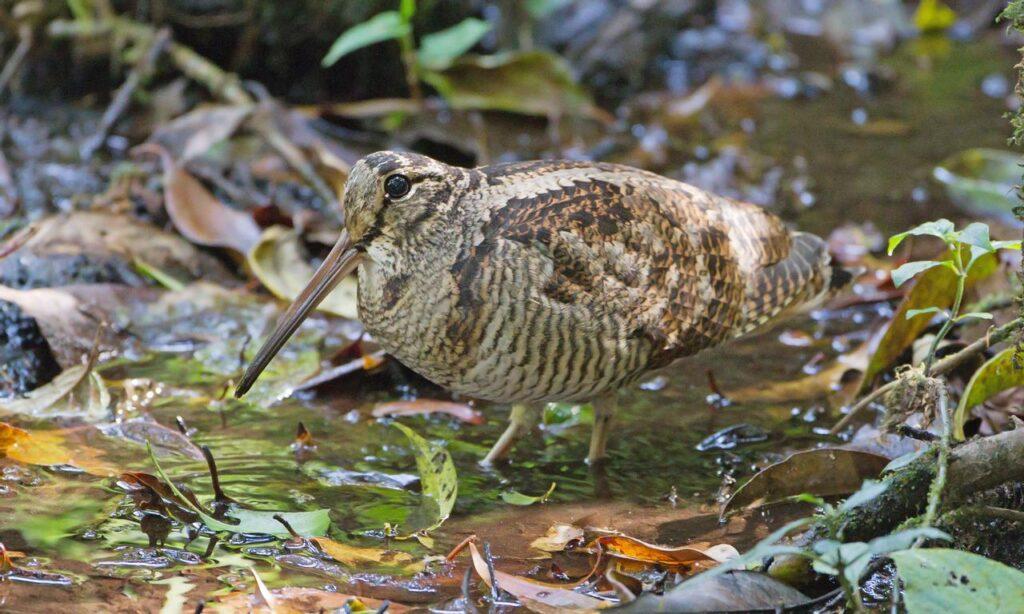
(436, 51)
(964, 247)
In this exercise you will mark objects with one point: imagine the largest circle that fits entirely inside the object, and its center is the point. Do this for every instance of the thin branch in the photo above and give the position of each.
(941, 367)
(142, 70)
(14, 62)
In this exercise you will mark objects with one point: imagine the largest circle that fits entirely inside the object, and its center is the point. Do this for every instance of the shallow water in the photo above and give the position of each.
(361, 463)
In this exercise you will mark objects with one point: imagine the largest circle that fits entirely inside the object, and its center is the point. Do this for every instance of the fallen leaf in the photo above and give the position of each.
(418, 407)
(536, 596)
(49, 448)
(191, 135)
(622, 546)
(276, 260)
(823, 472)
(517, 498)
(90, 403)
(360, 557)
(295, 600)
(823, 382)
(197, 214)
(531, 83)
(438, 480)
(999, 373)
(558, 538)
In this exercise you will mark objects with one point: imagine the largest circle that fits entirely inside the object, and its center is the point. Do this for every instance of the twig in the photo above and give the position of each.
(142, 70)
(941, 463)
(941, 367)
(17, 57)
(224, 85)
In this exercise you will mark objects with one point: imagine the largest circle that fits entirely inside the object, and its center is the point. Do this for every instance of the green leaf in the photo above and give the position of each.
(438, 50)
(941, 228)
(933, 16)
(381, 27)
(977, 234)
(867, 492)
(911, 269)
(517, 498)
(978, 315)
(307, 524)
(161, 277)
(1006, 244)
(912, 313)
(935, 287)
(407, 9)
(539, 9)
(982, 182)
(902, 461)
(438, 480)
(904, 539)
(999, 373)
(951, 581)
(529, 83)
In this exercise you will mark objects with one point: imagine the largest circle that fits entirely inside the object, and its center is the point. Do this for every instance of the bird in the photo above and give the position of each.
(531, 282)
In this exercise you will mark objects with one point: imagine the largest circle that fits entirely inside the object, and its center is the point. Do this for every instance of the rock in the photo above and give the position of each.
(26, 361)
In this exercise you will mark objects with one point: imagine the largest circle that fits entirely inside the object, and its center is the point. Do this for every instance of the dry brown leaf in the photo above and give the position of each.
(197, 214)
(622, 546)
(194, 133)
(419, 407)
(557, 538)
(823, 472)
(537, 596)
(823, 382)
(276, 260)
(48, 448)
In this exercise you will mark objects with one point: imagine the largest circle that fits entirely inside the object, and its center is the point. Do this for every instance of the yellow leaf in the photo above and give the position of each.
(933, 16)
(50, 448)
(358, 556)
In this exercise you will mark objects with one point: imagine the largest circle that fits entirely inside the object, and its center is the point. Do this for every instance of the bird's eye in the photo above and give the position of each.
(397, 186)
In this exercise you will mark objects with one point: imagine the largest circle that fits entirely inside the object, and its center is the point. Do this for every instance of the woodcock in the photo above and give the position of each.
(543, 281)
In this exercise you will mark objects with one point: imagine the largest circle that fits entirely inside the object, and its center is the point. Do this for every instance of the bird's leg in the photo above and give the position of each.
(520, 421)
(604, 409)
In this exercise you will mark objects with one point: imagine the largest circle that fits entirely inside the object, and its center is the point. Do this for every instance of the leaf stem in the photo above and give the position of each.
(961, 281)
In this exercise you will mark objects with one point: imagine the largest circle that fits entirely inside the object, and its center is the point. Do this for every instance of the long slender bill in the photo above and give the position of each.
(339, 263)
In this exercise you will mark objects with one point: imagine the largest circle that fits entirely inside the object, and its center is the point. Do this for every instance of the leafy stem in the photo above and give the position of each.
(961, 282)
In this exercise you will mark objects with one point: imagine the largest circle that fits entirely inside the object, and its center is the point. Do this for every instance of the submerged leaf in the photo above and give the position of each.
(50, 448)
(276, 260)
(550, 597)
(517, 498)
(295, 600)
(823, 472)
(439, 481)
(359, 557)
(307, 524)
(945, 580)
(418, 407)
(75, 392)
(999, 373)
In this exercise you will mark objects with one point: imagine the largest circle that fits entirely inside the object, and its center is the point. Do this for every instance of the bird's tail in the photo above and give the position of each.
(802, 281)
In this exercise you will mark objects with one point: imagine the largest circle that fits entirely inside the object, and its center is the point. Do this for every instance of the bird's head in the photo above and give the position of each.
(390, 198)
(393, 197)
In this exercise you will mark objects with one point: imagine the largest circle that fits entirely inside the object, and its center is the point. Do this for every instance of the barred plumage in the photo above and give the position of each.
(559, 280)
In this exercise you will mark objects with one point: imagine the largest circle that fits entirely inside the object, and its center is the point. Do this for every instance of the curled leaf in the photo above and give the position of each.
(999, 373)
(625, 547)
